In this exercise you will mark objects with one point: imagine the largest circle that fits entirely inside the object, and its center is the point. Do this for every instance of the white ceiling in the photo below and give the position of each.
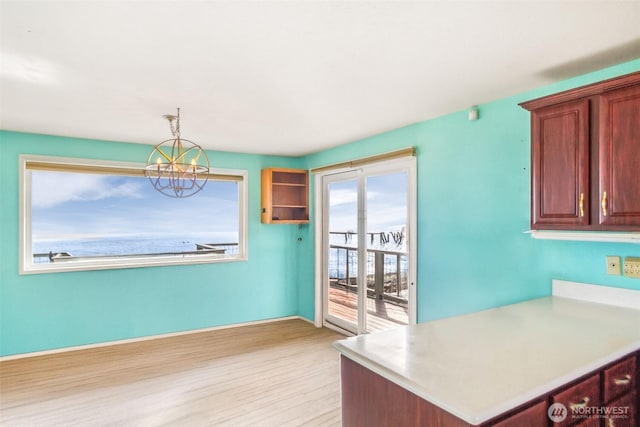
(290, 77)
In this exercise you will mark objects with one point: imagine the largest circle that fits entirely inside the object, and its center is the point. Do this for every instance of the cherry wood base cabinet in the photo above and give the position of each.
(285, 196)
(585, 157)
(607, 397)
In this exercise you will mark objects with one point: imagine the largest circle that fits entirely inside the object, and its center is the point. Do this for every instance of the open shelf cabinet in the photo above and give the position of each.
(285, 196)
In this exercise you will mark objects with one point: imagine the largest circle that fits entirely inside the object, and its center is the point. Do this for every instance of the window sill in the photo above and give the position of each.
(120, 263)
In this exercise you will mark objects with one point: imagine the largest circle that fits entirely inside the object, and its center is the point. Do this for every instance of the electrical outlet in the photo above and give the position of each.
(632, 267)
(613, 265)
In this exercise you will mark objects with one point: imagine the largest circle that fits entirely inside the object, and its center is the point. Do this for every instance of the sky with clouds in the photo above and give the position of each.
(76, 205)
(386, 203)
(68, 205)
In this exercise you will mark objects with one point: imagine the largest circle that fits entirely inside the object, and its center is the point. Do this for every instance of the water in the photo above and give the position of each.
(110, 246)
(114, 246)
(386, 242)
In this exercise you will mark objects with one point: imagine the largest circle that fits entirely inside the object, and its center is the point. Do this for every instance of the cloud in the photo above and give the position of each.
(386, 209)
(99, 205)
(386, 218)
(49, 189)
(343, 197)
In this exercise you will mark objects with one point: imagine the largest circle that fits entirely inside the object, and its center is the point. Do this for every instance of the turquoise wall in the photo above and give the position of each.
(47, 311)
(473, 210)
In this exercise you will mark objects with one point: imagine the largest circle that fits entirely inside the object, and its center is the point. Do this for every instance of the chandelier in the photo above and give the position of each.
(177, 167)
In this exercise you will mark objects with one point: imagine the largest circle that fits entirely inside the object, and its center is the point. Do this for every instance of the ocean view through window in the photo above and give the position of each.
(88, 214)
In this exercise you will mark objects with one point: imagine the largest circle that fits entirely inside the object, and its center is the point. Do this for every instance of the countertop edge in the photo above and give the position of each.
(478, 416)
(495, 410)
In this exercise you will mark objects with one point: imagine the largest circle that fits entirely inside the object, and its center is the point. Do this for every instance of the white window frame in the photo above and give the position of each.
(27, 266)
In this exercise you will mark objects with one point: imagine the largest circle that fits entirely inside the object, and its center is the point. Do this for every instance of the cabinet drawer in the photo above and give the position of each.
(622, 412)
(584, 394)
(620, 378)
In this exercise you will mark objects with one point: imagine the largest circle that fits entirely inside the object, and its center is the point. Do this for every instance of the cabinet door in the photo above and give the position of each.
(619, 163)
(619, 378)
(622, 412)
(560, 165)
(578, 399)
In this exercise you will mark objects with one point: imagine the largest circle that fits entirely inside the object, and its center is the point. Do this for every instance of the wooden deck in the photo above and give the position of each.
(381, 315)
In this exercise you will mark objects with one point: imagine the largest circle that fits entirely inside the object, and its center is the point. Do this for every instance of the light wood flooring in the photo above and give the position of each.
(277, 374)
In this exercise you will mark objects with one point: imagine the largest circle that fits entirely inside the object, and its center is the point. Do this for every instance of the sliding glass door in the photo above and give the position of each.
(387, 251)
(342, 299)
(367, 281)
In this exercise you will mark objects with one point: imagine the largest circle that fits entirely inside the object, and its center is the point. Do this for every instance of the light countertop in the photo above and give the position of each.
(480, 365)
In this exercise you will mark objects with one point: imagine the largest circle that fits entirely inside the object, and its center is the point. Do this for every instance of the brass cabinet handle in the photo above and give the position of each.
(622, 381)
(583, 404)
(581, 205)
(604, 204)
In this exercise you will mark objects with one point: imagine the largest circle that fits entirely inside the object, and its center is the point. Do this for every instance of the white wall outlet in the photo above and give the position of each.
(632, 267)
(613, 265)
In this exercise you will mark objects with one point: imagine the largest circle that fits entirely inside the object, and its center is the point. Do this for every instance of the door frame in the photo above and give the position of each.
(326, 180)
(407, 164)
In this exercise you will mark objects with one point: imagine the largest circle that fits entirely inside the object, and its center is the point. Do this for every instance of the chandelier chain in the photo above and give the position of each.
(175, 130)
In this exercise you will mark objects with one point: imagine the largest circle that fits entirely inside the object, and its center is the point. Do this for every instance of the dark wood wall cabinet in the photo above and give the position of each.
(285, 196)
(607, 397)
(585, 157)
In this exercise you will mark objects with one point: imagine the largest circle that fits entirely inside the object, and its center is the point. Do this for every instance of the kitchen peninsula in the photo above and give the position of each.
(503, 366)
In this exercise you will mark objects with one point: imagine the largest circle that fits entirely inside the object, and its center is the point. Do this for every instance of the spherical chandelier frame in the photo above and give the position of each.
(177, 167)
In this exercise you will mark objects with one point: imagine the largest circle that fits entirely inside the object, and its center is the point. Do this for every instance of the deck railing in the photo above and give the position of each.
(215, 248)
(386, 271)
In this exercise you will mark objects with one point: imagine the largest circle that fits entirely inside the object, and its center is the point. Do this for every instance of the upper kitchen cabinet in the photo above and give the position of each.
(285, 196)
(619, 151)
(560, 164)
(585, 157)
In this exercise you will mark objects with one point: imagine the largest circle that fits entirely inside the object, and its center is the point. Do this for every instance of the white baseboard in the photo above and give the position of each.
(307, 320)
(146, 338)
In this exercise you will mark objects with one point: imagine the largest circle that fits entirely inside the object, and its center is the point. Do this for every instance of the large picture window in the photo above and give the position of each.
(89, 214)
